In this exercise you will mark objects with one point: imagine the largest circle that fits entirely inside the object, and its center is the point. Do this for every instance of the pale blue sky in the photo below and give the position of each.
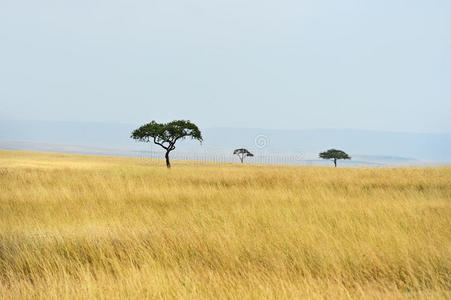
(383, 65)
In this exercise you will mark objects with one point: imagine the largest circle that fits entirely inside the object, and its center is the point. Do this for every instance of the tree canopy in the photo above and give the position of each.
(242, 153)
(334, 154)
(167, 134)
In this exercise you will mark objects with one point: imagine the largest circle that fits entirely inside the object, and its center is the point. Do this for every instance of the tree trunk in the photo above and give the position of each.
(335, 162)
(168, 164)
(241, 158)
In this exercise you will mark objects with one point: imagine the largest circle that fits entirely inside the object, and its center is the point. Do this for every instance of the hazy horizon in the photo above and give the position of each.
(229, 127)
(114, 138)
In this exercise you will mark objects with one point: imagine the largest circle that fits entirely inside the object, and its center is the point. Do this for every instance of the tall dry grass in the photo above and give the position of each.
(75, 226)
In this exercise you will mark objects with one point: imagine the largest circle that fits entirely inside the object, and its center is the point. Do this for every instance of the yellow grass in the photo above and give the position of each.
(74, 226)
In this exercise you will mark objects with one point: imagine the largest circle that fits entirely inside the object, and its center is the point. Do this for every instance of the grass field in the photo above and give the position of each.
(74, 226)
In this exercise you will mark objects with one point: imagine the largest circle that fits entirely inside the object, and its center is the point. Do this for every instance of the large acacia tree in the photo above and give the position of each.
(334, 154)
(167, 134)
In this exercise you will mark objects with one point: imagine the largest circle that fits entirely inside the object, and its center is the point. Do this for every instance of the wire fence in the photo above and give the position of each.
(218, 158)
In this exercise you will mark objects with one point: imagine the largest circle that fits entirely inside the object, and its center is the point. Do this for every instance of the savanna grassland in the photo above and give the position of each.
(74, 226)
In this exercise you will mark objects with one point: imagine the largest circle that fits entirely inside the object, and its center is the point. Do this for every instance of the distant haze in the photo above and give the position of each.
(274, 146)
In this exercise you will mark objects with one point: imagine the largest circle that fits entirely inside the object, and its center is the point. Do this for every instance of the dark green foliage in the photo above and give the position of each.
(167, 134)
(242, 153)
(334, 154)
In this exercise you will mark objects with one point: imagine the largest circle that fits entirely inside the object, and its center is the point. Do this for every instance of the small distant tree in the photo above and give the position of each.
(334, 154)
(167, 134)
(242, 153)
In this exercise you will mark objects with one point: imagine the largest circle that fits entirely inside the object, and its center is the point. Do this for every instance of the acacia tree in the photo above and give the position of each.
(167, 134)
(242, 153)
(334, 154)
